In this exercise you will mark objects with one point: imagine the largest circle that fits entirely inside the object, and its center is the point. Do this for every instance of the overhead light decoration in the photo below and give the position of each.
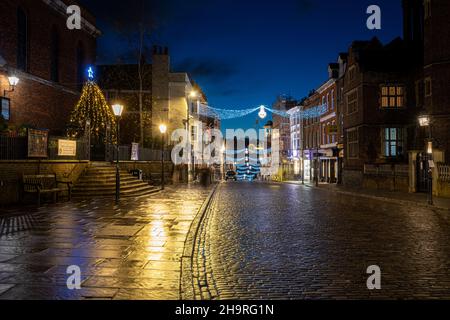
(262, 112)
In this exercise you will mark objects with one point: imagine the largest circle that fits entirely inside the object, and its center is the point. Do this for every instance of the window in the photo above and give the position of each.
(54, 56)
(353, 144)
(393, 142)
(332, 99)
(392, 96)
(428, 87)
(352, 73)
(352, 102)
(22, 40)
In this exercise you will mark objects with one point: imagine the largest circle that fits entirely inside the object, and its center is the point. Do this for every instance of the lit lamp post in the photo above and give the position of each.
(425, 121)
(117, 109)
(13, 82)
(192, 95)
(163, 130)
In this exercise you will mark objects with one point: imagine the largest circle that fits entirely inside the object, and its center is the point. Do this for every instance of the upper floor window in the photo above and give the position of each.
(22, 40)
(428, 87)
(393, 142)
(352, 102)
(392, 96)
(352, 144)
(54, 55)
(352, 73)
(332, 99)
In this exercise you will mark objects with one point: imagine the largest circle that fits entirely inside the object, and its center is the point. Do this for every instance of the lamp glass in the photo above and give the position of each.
(193, 94)
(163, 128)
(13, 81)
(424, 121)
(430, 147)
(118, 110)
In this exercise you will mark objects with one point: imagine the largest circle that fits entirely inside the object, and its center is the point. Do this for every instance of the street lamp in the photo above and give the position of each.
(13, 82)
(425, 121)
(117, 110)
(163, 130)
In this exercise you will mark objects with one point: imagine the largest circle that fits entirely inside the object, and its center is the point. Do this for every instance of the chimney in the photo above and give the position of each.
(333, 71)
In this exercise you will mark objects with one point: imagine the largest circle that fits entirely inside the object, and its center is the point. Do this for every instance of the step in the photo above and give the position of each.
(92, 186)
(106, 179)
(130, 193)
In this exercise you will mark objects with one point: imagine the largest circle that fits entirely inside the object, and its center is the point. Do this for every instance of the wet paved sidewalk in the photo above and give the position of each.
(129, 251)
(420, 199)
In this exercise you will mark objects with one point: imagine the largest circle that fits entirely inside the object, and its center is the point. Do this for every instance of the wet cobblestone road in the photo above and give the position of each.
(276, 241)
(130, 251)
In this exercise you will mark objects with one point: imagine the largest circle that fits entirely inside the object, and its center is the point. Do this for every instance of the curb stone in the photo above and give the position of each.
(187, 291)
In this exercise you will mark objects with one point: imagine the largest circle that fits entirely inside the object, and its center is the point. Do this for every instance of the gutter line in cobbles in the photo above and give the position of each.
(189, 287)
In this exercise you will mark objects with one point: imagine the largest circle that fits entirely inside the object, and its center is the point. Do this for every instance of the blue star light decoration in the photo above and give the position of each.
(90, 73)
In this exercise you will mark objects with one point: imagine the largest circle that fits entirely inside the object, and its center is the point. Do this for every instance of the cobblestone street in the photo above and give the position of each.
(130, 251)
(278, 241)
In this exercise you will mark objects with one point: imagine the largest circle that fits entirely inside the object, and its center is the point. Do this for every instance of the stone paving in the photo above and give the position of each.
(281, 241)
(129, 251)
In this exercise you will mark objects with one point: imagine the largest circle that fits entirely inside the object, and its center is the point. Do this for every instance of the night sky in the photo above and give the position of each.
(244, 52)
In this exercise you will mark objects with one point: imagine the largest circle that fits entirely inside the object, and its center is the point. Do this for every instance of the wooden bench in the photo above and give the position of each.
(45, 184)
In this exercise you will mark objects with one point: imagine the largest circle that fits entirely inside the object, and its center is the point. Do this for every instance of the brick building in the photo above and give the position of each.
(49, 59)
(382, 91)
(379, 109)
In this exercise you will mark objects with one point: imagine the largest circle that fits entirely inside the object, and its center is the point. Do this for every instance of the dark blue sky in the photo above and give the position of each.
(246, 52)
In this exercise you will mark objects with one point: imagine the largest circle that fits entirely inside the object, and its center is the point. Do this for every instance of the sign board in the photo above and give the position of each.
(37, 143)
(67, 148)
(5, 105)
(134, 151)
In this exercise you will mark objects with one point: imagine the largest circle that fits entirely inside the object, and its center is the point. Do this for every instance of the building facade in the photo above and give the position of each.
(49, 60)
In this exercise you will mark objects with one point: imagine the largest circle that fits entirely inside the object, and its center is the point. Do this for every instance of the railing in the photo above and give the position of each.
(398, 170)
(16, 148)
(444, 172)
(145, 154)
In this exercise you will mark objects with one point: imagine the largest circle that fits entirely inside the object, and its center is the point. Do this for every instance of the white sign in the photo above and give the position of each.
(67, 148)
(135, 151)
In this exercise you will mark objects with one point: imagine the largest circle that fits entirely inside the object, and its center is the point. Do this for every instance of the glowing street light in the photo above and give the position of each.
(117, 110)
(13, 82)
(424, 121)
(163, 130)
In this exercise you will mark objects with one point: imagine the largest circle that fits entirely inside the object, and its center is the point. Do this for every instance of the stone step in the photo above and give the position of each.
(92, 180)
(144, 190)
(112, 184)
(135, 193)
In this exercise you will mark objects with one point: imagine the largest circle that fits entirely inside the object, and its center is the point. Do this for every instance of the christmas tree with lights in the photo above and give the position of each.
(92, 109)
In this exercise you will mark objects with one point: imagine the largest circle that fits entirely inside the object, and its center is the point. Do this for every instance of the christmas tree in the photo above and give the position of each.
(93, 108)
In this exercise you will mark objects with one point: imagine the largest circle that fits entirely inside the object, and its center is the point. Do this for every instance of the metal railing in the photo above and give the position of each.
(444, 172)
(16, 148)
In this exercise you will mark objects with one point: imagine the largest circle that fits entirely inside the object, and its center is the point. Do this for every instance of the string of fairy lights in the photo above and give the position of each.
(228, 114)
